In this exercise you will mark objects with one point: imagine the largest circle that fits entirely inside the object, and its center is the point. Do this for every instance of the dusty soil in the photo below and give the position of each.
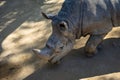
(22, 28)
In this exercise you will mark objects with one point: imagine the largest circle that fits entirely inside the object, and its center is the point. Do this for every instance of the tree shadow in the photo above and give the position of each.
(17, 17)
(75, 65)
(12, 65)
(12, 14)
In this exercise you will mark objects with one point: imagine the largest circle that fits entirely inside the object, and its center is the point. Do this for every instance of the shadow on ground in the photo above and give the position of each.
(76, 66)
(13, 15)
(22, 28)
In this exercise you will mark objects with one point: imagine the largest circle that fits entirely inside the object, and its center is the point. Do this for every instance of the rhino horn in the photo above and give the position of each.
(40, 54)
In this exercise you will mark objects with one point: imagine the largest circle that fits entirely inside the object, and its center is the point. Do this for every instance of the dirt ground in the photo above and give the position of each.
(22, 28)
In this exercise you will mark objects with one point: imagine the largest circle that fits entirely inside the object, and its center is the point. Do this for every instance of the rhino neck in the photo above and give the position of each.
(74, 27)
(71, 11)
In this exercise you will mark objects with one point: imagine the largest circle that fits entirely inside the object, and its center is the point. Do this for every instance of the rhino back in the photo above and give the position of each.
(115, 12)
(96, 17)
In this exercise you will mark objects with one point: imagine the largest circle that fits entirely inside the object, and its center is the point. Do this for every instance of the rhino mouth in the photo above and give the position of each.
(53, 59)
(53, 55)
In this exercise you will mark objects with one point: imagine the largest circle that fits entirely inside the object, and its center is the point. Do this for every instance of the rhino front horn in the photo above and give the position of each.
(41, 55)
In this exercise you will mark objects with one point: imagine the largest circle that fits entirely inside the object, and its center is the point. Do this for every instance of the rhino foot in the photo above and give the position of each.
(91, 54)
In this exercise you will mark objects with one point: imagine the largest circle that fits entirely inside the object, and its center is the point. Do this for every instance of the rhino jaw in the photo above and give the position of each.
(41, 55)
(52, 59)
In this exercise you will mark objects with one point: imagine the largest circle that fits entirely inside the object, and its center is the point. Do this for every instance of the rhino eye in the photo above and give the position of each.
(62, 27)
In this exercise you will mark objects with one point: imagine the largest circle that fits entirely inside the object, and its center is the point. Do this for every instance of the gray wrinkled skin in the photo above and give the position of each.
(79, 18)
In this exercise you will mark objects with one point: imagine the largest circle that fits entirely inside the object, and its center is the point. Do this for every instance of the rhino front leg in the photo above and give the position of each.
(92, 43)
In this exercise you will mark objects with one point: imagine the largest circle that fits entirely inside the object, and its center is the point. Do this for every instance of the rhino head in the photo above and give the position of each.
(60, 42)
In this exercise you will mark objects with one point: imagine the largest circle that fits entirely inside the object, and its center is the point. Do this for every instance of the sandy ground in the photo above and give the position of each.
(22, 28)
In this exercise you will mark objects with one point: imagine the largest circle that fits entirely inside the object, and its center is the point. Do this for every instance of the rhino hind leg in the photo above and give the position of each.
(92, 43)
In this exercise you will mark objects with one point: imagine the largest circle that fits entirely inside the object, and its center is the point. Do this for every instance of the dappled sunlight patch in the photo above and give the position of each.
(115, 33)
(53, 9)
(8, 69)
(19, 58)
(80, 42)
(25, 71)
(28, 30)
(52, 6)
(2, 3)
(53, 1)
(111, 76)
(19, 74)
(19, 65)
(10, 15)
(28, 33)
(9, 22)
(20, 70)
(18, 48)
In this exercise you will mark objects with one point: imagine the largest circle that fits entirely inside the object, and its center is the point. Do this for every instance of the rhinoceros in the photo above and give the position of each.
(79, 18)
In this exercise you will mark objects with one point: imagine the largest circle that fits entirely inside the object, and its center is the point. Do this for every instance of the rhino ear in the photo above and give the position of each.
(47, 16)
(63, 26)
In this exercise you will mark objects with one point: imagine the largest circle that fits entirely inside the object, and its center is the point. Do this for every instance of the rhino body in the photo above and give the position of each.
(80, 18)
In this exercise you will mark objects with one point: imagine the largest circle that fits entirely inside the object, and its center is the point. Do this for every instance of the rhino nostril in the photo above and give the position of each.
(61, 47)
(48, 46)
